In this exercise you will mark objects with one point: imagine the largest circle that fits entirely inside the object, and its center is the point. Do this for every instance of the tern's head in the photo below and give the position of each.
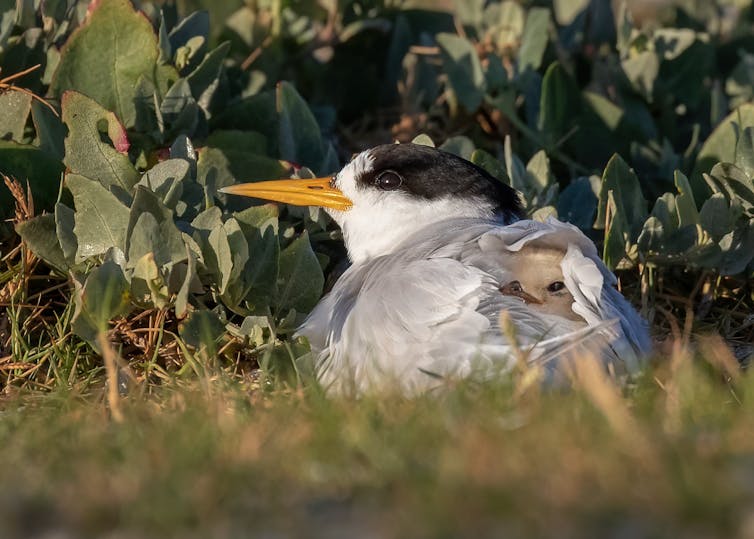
(388, 192)
(536, 277)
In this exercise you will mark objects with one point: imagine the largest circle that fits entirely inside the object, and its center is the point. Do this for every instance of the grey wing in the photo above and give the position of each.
(620, 333)
(403, 323)
(410, 319)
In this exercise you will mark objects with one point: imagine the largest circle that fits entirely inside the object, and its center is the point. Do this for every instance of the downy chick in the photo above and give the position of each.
(536, 277)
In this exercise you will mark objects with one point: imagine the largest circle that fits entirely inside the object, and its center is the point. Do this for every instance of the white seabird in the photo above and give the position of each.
(438, 254)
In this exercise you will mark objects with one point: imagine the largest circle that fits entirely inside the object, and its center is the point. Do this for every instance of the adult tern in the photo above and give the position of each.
(438, 253)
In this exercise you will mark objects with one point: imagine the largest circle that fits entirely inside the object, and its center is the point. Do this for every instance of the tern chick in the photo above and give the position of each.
(537, 280)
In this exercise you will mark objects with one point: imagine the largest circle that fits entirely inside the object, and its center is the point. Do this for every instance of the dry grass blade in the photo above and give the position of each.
(714, 350)
(590, 376)
(111, 367)
(24, 200)
(6, 85)
(24, 210)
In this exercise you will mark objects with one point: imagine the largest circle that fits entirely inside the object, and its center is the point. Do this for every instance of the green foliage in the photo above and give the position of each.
(637, 127)
(107, 57)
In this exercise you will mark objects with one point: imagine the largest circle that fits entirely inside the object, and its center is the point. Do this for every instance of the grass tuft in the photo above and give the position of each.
(670, 455)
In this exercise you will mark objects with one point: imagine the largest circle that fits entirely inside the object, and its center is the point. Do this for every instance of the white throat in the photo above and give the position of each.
(379, 221)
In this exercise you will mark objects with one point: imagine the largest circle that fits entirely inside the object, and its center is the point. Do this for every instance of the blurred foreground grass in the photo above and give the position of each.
(670, 456)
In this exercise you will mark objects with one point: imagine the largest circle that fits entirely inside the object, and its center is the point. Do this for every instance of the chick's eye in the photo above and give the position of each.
(388, 180)
(557, 286)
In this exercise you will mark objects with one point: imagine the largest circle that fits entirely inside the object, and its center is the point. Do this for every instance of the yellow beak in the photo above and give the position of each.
(315, 192)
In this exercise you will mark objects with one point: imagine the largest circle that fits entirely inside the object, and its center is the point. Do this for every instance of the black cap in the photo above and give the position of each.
(430, 173)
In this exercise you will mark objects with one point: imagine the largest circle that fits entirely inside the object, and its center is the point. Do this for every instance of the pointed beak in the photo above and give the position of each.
(315, 192)
(514, 289)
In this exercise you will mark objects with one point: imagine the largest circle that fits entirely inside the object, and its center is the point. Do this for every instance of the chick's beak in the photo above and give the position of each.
(315, 192)
(514, 289)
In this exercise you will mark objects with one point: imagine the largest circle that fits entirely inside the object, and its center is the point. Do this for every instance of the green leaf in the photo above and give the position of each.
(738, 249)
(642, 70)
(157, 234)
(188, 40)
(166, 179)
(65, 222)
(720, 146)
(221, 259)
(232, 156)
(490, 164)
(745, 151)
(534, 39)
(166, 50)
(205, 79)
(559, 103)
(183, 149)
(666, 211)
(85, 151)
(459, 145)
(259, 225)
(464, 70)
(496, 76)
(630, 205)
(538, 172)
(149, 237)
(182, 297)
(148, 287)
(685, 204)
(203, 329)
(239, 248)
(607, 111)
(513, 166)
(733, 182)
(221, 168)
(179, 109)
(101, 219)
(234, 139)
(50, 130)
(652, 236)
(16, 107)
(208, 220)
(510, 25)
(300, 280)
(577, 203)
(39, 235)
(716, 216)
(567, 10)
(105, 56)
(7, 21)
(299, 137)
(28, 163)
(687, 57)
(105, 295)
(618, 234)
(259, 112)
(424, 140)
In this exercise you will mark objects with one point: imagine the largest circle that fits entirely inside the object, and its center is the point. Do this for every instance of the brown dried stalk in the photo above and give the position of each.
(6, 85)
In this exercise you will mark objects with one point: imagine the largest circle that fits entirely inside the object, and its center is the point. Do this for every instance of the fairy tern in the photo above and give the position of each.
(438, 251)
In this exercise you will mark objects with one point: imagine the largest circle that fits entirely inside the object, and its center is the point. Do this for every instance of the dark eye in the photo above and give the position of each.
(557, 286)
(388, 180)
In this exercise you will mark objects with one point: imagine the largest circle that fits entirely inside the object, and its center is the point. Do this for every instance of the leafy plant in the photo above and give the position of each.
(639, 133)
